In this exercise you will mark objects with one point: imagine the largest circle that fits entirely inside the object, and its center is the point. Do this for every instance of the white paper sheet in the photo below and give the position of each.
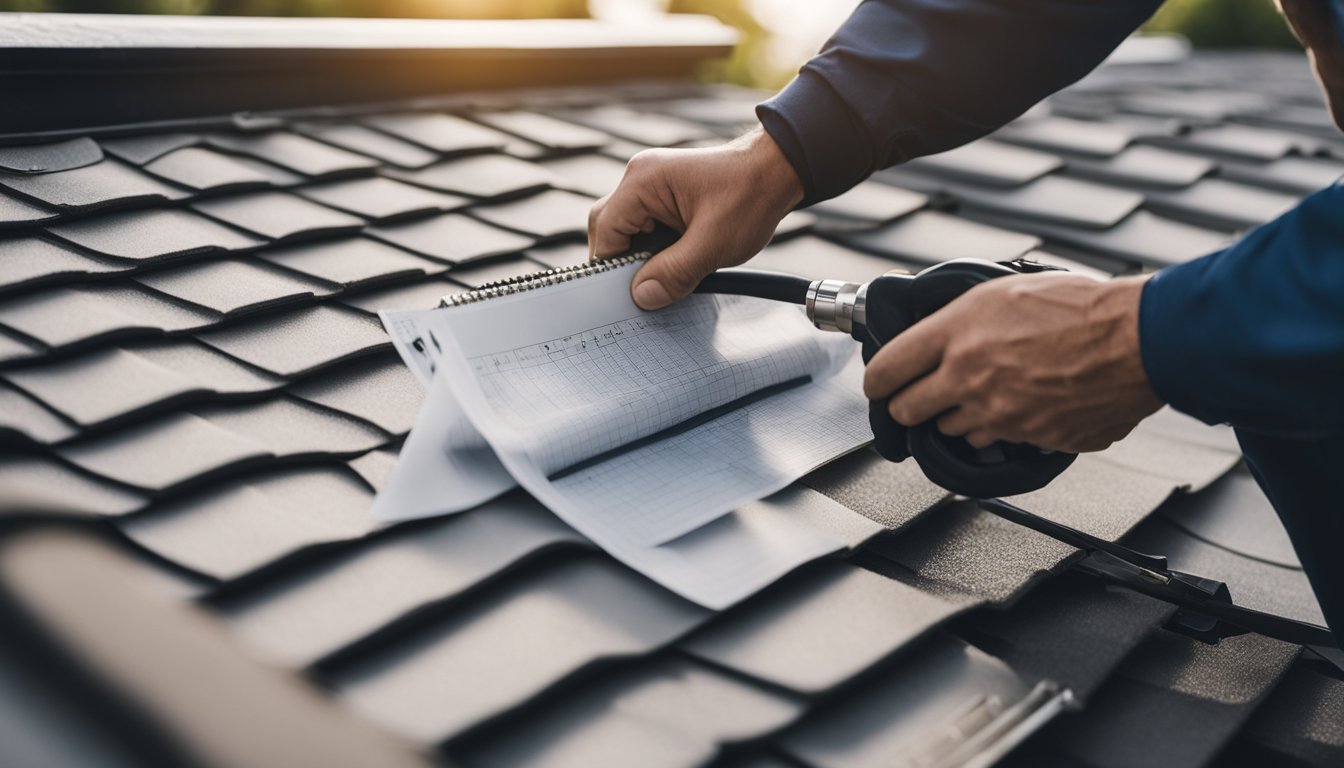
(555, 377)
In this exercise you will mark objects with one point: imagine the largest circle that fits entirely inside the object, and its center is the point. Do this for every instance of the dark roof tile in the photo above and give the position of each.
(204, 169)
(494, 270)
(867, 204)
(163, 453)
(30, 484)
(14, 211)
(382, 392)
(13, 348)
(278, 215)
(1204, 105)
(1142, 237)
(1235, 141)
(210, 369)
(671, 712)
(1187, 698)
(28, 260)
(112, 383)
(366, 141)
(730, 114)
(967, 550)
(447, 134)
(544, 130)
(293, 152)
(550, 214)
(892, 495)
(290, 427)
(231, 286)
(558, 255)
(989, 162)
(1295, 175)
(594, 175)
(928, 237)
(511, 645)
(1234, 514)
(1254, 583)
(146, 235)
(452, 238)
(819, 259)
(898, 712)
(175, 449)
(380, 198)
(526, 150)
(1099, 497)
(1063, 134)
(648, 129)
(1190, 463)
(331, 605)
(1074, 629)
(1302, 719)
(858, 616)
(101, 385)
(229, 531)
(1053, 198)
(422, 294)
(1222, 204)
(47, 158)
(375, 467)
(139, 150)
(110, 182)
(483, 176)
(301, 341)
(1145, 166)
(352, 261)
(62, 316)
(22, 416)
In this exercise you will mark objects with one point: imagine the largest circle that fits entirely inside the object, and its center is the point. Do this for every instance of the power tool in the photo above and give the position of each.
(874, 313)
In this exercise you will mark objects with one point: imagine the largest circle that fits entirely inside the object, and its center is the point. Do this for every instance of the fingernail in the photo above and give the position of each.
(651, 294)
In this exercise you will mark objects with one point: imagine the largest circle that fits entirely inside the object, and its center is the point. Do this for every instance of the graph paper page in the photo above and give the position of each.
(597, 408)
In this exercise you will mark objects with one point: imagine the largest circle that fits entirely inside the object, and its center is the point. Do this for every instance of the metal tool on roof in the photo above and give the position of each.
(1206, 612)
(874, 313)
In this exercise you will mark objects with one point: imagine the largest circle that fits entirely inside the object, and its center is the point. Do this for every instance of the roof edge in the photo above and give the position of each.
(68, 71)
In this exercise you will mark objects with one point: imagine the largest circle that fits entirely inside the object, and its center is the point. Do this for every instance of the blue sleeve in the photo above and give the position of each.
(1253, 336)
(904, 78)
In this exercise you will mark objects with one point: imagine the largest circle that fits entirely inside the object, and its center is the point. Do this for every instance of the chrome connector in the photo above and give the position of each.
(834, 305)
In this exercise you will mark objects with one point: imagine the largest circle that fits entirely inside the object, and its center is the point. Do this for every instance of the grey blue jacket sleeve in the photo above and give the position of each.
(904, 78)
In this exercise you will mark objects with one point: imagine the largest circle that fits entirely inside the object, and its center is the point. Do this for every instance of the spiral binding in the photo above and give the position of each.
(535, 280)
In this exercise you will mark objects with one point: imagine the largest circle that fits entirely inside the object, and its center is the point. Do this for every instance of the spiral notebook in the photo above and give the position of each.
(637, 428)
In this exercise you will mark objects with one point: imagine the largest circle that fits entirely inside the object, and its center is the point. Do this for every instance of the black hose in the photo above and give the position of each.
(775, 286)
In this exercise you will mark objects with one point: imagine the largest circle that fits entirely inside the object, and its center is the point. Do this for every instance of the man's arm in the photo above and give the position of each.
(1254, 335)
(905, 78)
(901, 78)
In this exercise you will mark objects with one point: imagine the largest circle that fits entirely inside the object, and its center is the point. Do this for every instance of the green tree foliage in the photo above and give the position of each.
(1225, 23)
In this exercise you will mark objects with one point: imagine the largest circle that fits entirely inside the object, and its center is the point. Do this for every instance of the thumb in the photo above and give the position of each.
(672, 274)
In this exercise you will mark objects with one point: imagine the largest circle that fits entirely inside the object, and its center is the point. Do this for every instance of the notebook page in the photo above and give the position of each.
(557, 376)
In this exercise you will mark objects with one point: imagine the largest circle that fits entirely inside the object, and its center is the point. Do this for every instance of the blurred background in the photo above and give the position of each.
(777, 35)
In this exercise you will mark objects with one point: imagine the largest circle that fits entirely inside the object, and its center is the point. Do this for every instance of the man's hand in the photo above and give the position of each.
(1049, 359)
(726, 202)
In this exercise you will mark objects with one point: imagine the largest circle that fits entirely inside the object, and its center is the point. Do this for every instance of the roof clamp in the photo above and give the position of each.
(1205, 608)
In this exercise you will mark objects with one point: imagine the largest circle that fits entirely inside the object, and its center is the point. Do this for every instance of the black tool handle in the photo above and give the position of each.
(894, 303)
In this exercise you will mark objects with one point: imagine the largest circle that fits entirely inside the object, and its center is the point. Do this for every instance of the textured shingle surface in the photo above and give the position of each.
(188, 348)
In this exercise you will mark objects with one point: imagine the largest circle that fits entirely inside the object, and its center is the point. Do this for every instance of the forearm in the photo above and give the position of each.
(904, 78)
(1254, 335)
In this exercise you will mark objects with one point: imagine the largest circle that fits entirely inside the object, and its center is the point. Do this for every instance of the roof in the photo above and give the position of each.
(198, 398)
